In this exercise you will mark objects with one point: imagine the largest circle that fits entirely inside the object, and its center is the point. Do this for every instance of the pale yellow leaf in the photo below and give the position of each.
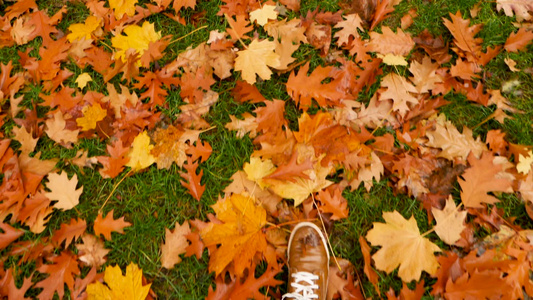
(450, 222)
(404, 246)
(263, 14)
(524, 163)
(392, 59)
(83, 79)
(256, 59)
(63, 190)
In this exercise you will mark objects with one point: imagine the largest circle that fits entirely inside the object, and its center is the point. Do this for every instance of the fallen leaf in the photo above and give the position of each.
(83, 30)
(136, 37)
(92, 252)
(122, 7)
(450, 222)
(120, 286)
(83, 79)
(481, 178)
(256, 59)
(107, 225)
(263, 14)
(240, 236)
(64, 190)
(174, 245)
(402, 245)
(92, 114)
(139, 155)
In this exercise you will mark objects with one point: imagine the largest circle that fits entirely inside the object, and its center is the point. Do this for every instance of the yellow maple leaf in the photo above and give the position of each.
(122, 7)
(91, 115)
(83, 30)
(139, 155)
(137, 38)
(83, 79)
(256, 60)
(63, 190)
(240, 235)
(120, 286)
(402, 245)
(263, 14)
(256, 169)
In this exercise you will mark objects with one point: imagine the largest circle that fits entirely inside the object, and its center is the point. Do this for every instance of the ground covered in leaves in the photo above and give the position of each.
(165, 148)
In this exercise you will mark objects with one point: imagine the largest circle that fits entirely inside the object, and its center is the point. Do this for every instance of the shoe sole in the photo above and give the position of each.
(308, 224)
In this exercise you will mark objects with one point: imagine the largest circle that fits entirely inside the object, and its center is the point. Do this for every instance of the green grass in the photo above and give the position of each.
(154, 199)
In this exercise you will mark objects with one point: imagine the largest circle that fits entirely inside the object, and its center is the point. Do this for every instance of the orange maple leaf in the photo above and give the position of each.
(106, 225)
(240, 236)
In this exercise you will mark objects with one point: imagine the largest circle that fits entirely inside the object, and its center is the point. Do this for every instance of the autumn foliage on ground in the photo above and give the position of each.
(299, 169)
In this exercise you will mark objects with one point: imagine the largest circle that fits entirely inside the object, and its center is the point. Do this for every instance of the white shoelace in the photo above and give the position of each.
(303, 292)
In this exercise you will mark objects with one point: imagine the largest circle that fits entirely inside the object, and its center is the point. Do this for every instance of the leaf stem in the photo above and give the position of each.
(231, 26)
(114, 189)
(182, 37)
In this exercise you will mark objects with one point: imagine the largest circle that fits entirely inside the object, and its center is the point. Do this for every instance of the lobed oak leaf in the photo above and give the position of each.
(9, 288)
(450, 222)
(486, 284)
(63, 190)
(57, 131)
(398, 43)
(303, 88)
(263, 14)
(113, 164)
(519, 40)
(92, 114)
(61, 272)
(122, 7)
(201, 150)
(349, 27)
(239, 27)
(481, 178)
(192, 180)
(84, 30)
(174, 245)
(249, 289)
(285, 51)
(464, 34)
(256, 59)
(139, 155)
(402, 245)
(22, 30)
(453, 143)
(136, 37)
(8, 235)
(399, 90)
(25, 138)
(240, 236)
(106, 225)
(332, 201)
(92, 252)
(196, 247)
(519, 8)
(425, 75)
(118, 286)
(69, 232)
(247, 125)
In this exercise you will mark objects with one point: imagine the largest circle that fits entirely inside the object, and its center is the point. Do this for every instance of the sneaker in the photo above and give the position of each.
(308, 263)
